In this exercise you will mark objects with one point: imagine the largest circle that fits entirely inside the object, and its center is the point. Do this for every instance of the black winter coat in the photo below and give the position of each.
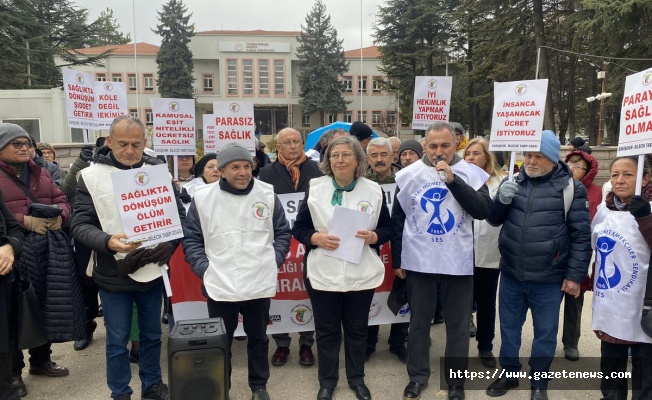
(11, 233)
(278, 176)
(535, 242)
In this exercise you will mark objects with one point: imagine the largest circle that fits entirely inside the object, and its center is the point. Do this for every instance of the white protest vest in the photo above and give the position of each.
(621, 268)
(98, 181)
(438, 234)
(331, 274)
(239, 242)
(486, 236)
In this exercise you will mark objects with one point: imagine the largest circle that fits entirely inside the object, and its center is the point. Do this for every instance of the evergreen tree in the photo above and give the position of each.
(107, 30)
(174, 59)
(321, 64)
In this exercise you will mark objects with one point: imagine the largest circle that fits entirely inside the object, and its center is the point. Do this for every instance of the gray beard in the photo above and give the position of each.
(538, 173)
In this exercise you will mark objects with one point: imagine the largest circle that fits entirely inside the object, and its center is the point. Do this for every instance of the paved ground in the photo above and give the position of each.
(386, 376)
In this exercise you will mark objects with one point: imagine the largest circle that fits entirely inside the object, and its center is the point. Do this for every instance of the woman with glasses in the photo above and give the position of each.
(584, 168)
(340, 291)
(46, 259)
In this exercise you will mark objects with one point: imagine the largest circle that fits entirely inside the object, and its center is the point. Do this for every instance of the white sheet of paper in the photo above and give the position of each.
(345, 223)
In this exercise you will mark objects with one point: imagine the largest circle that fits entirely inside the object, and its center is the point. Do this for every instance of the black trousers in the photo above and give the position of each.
(397, 334)
(572, 320)
(334, 311)
(255, 317)
(37, 356)
(485, 288)
(614, 360)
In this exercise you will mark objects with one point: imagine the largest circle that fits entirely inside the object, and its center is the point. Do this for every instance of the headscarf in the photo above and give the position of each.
(336, 200)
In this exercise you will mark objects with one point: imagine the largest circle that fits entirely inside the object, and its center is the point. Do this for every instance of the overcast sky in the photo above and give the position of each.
(347, 16)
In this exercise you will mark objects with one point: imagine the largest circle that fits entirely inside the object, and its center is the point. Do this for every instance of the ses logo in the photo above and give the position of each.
(234, 107)
(301, 314)
(405, 310)
(174, 106)
(108, 87)
(440, 223)
(521, 89)
(141, 179)
(432, 84)
(79, 78)
(613, 247)
(260, 211)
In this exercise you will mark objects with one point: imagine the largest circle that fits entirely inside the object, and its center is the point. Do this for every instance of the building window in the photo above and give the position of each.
(248, 76)
(101, 77)
(377, 83)
(77, 135)
(116, 77)
(149, 82)
(362, 116)
(348, 84)
(362, 84)
(347, 116)
(208, 82)
(376, 116)
(391, 118)
(232, 76)
(30, 125)
(279, 77)
(149, 117)
(133, 82)
(263, 77)
(305, 120)
(332, 118)
(133, 112)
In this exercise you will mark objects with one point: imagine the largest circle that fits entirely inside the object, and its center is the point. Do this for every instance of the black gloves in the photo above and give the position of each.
(184, 196)
(138, 258)
(86, 153)
(639, 207)
(646, 320)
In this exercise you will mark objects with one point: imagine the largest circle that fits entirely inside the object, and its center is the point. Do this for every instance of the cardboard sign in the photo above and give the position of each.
(432, 100)
(234, 122)
(636, 116)
(210, 141)
(79, 89)
(147, 204)
(174, 126)
(111, 102)
(518, 113)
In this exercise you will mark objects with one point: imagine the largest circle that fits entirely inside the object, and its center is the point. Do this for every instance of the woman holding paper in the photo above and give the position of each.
(341, 291)
(622, 238)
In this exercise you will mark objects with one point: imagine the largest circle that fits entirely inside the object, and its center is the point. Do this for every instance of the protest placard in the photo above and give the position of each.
(148, 207)
(517, 119)
(636, 115)
(209, 134)
(432, 98)
(174, 126)
(79, 89)
(111, 102)
(234, 122)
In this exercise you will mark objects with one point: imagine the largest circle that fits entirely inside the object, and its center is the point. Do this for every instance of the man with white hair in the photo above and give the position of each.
(396, 143)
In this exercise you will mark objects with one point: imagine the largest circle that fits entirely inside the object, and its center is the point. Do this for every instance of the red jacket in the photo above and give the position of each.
(593, 192)
(41, 187)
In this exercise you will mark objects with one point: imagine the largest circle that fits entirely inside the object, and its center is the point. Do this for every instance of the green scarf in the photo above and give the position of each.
(336, 200)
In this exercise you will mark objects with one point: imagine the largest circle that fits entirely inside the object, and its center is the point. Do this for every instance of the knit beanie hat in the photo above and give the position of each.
(360, 131)
(201, 164)
(410, 144)
(577, 142)
(47, 146)
(10, 132)
(550, 146)
(233, 152)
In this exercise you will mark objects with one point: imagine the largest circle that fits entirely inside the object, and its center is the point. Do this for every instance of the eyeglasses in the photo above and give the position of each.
(18, 145)
(575, 166)
(289, 143)
(343, 156)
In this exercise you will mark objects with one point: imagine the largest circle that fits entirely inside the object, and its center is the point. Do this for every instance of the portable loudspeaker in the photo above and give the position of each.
(197, 360)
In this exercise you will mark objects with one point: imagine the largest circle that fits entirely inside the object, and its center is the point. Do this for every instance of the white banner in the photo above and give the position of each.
(111, 102)
(234, 122)
(210, 141)
(517, 119)
(148, 208)
(79, 89)
(432, 100)
(174, 126)
(636, 116)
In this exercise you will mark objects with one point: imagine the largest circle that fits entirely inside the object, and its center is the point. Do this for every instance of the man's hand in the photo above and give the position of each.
(54, 224)
(116, 245)
(35, 224)
(324, 240)
(507, 191)
(370, 237)
(400, 272)
(571, 287)
(443, 166)
(86, 153)
(6, 259)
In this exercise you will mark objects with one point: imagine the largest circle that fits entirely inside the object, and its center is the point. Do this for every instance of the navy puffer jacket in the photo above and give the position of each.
(535, 242)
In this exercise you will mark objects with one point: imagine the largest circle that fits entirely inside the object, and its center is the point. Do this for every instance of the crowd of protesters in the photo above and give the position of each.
(464, 239)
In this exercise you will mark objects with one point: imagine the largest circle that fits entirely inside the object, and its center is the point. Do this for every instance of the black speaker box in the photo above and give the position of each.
(197, 360)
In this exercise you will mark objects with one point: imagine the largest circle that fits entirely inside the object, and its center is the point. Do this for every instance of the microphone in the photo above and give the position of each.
(442, 174)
